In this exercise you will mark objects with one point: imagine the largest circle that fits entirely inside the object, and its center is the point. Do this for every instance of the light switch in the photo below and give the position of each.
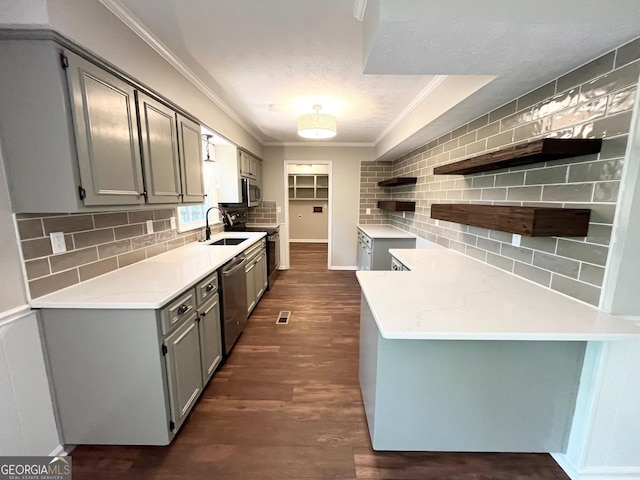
(149, 226)
(515, 240)
(368, 211)
(278, 209)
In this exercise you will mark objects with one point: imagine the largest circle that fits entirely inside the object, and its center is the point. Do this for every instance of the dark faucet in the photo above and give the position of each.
(207, 229)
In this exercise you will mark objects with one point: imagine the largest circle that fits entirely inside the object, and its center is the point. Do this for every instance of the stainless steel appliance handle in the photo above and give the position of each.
(234, 265)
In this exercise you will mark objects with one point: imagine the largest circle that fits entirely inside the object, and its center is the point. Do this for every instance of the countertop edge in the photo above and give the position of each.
(45, 301)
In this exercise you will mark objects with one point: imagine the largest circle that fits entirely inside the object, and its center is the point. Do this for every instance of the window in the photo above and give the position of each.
(192, 217)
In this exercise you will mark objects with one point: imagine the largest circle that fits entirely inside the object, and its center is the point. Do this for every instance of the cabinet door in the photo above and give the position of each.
(159, 137)
(261, 275)
(210, 338)
(183, 369)
(251, 286)
(190, 145)
(106, 133)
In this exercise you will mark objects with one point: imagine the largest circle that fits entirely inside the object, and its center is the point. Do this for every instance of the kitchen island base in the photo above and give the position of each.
(467, 395)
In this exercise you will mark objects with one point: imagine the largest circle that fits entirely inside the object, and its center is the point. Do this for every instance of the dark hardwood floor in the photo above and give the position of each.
(286, 404)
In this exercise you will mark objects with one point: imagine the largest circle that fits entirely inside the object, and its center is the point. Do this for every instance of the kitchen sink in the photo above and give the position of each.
(229, 241)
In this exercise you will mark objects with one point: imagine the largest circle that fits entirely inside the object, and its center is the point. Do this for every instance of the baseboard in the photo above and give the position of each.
(343, 267)
(595, 473)
(62, 450)
(308, 240)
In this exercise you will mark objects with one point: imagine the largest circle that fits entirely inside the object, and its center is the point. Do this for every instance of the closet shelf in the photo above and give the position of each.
(528, 221)
(535, 151)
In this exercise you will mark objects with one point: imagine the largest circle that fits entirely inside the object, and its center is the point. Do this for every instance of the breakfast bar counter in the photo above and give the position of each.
(456, 355)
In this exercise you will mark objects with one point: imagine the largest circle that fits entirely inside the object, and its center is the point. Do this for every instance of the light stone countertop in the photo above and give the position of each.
(151, 283)
(449, 296)
(384, 231)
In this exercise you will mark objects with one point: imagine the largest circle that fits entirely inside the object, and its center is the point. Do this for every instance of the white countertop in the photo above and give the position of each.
(449, 296)
(152, 283)
(384, 231)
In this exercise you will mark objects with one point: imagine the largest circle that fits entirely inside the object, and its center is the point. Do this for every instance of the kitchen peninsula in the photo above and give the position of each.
(456, 355)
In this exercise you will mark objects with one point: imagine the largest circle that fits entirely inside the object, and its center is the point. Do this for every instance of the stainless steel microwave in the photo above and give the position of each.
(251, 194)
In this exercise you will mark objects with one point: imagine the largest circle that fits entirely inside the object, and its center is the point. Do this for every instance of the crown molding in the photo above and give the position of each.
(359, 9)
(126, 17)
(426, 91)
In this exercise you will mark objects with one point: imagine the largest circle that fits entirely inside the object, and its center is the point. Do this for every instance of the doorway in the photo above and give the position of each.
(308, 206)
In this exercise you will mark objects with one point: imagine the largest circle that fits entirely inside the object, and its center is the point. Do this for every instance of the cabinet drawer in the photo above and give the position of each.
(181, 308)
(206, 288)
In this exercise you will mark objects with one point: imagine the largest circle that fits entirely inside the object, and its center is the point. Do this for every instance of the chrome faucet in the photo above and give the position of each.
(207, 229)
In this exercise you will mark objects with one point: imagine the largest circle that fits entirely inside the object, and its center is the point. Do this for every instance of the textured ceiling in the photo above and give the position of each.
(270, 61)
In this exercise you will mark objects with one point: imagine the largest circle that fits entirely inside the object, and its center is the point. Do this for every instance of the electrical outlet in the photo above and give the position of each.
(58, 245)
(278, 209)
(368, 211)
(149, 226)
(404, 214)
(437, 223)
(173, 223)
(515, 240)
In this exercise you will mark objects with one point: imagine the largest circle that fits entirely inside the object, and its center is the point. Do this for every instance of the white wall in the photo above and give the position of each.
(346, 191)
(305, 224)
(604, 435)
(26, 409)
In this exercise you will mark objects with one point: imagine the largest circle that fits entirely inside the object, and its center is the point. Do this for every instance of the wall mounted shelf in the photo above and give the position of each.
(397, 206)
(529, 221)
(398, 182)
(523, 154)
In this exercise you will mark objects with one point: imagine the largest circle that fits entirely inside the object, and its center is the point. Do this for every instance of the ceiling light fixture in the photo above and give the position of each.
(317, 125)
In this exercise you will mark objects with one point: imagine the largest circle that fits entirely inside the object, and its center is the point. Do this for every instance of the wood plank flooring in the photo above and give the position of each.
(286, 405)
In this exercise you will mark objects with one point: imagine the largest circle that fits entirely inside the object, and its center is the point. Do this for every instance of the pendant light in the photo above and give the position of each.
(317, 125)
(208, 159)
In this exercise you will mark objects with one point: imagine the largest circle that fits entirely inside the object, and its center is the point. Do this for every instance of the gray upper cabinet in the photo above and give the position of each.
(106, 131)
(159, 140)
(74, 137)
(190, 145)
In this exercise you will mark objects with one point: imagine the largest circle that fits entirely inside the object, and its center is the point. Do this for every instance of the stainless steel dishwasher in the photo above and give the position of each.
(234, 300)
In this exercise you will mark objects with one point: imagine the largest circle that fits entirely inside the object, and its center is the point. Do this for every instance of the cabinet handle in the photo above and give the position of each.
(183, 309)
(209, 287)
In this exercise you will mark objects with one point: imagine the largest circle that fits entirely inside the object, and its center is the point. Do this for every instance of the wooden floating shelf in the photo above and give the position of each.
(397, 206)
(398, 181)
(529, 221)
(523, 154)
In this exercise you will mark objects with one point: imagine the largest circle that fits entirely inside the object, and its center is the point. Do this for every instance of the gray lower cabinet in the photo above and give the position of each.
(184, 370)
(373, 253)
(256, 272)
(74, 136)
(210, 344)
(131, 376)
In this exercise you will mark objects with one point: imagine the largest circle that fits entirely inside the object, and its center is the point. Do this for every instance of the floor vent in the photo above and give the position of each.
(283, 317)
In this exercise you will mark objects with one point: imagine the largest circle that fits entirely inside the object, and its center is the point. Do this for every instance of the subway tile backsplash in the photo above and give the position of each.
(593, 101)
(97, 243)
